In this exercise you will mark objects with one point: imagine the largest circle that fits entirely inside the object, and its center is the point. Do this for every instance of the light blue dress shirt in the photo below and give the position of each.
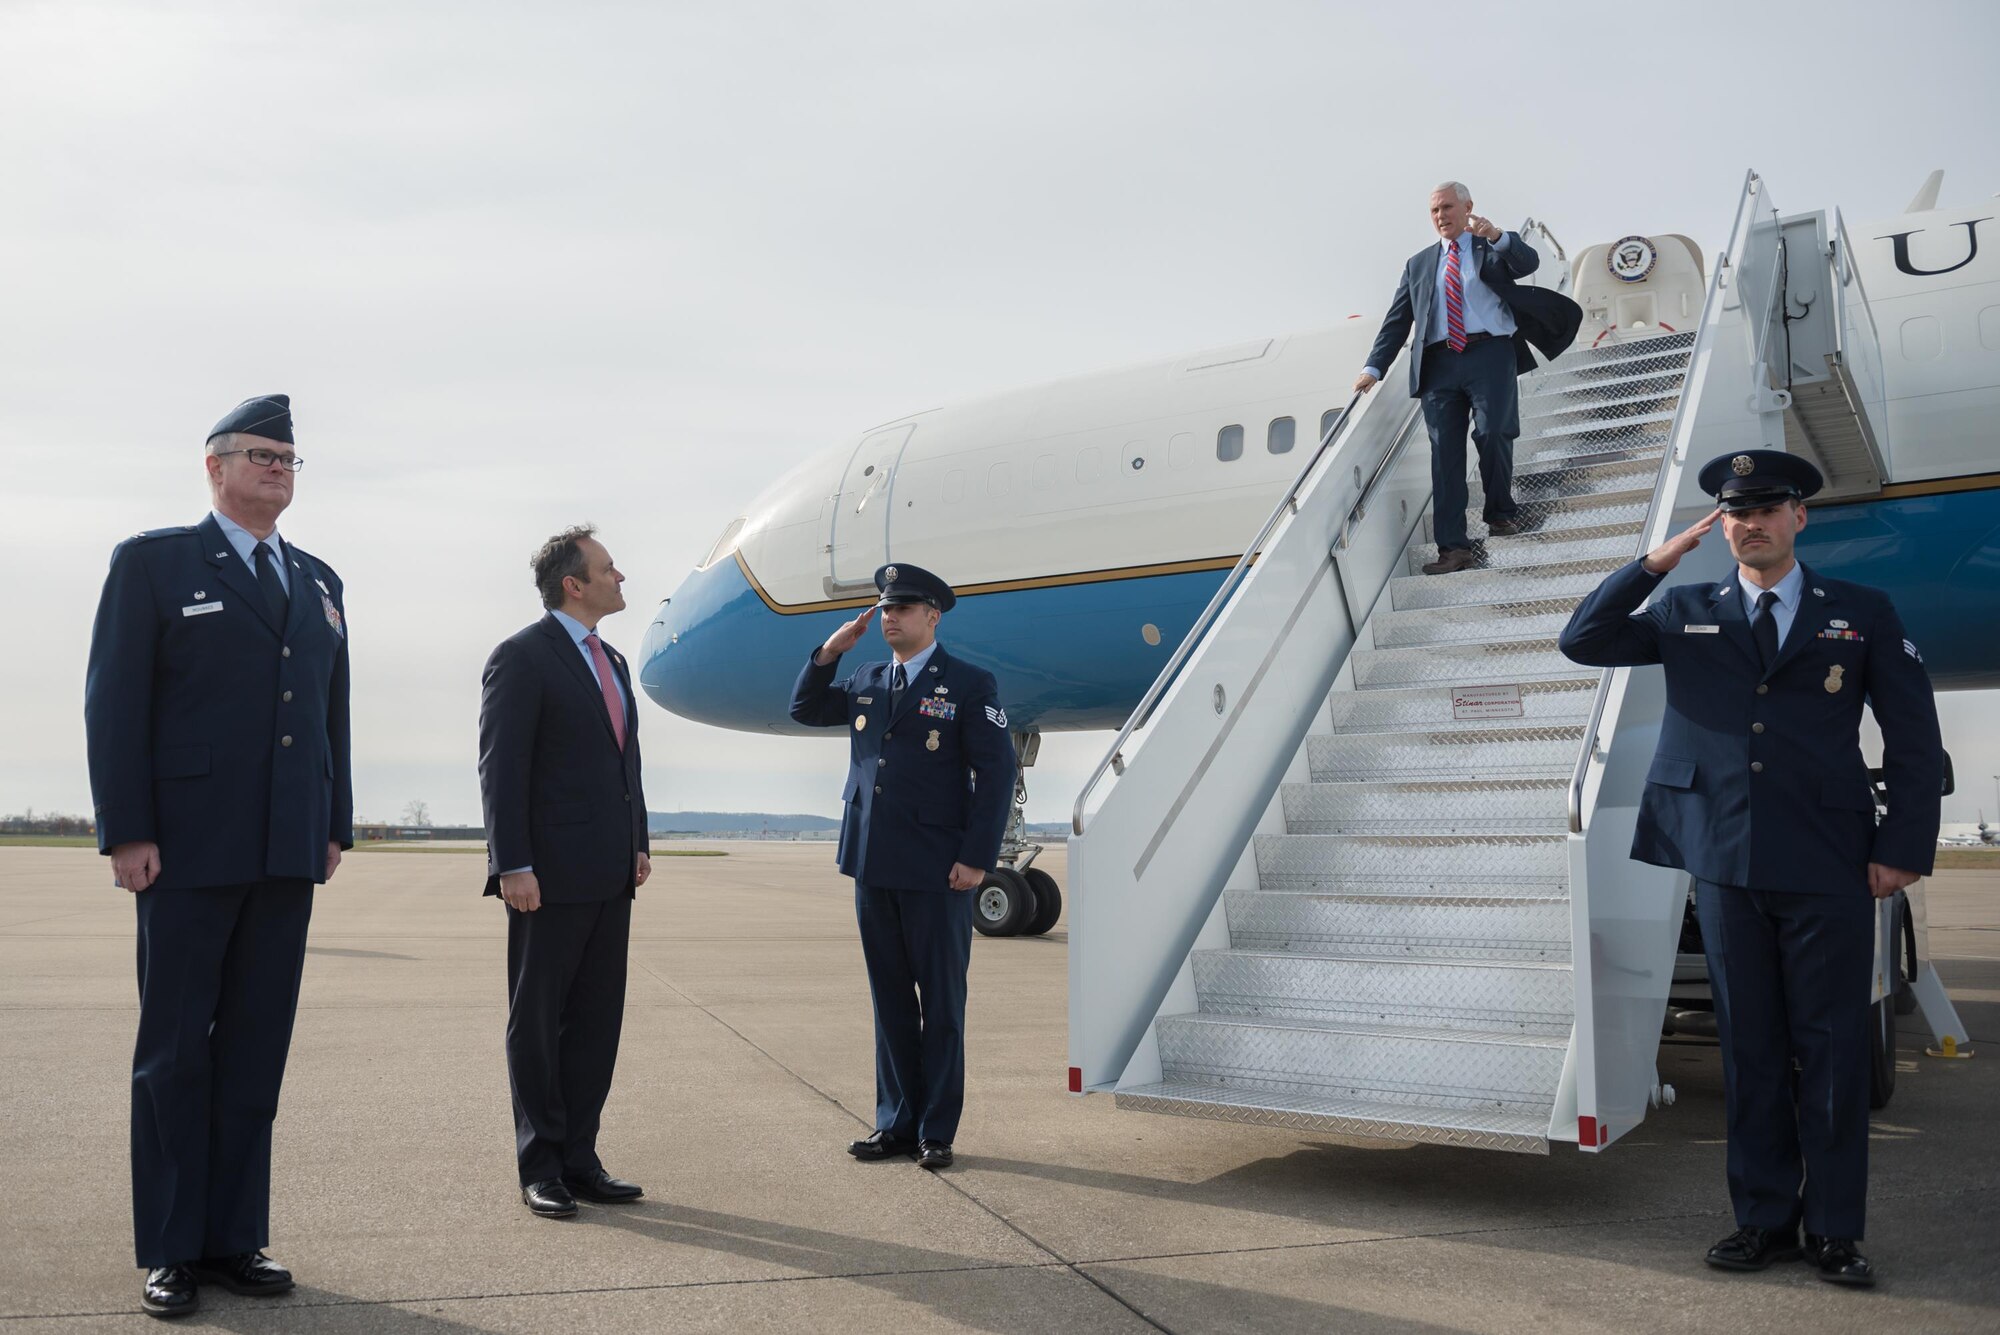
(1786, 609)
(915, 665)
(244, 542)
(1485, 313)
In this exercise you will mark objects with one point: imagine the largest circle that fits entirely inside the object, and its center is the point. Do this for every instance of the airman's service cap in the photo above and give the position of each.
(1753, 479)
(910, 584)
(267, 415)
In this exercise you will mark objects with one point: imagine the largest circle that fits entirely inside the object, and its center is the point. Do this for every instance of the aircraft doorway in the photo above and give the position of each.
(859, 538)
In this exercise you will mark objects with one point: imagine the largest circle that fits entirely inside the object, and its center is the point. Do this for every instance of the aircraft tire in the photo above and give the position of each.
(1005, 904)
(1048, 901)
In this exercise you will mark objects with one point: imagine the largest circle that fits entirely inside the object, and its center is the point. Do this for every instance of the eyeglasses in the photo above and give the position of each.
(265, 458)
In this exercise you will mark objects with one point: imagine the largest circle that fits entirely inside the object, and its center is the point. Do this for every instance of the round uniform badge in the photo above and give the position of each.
(932, 744)
(1832, 682)
(861, 723)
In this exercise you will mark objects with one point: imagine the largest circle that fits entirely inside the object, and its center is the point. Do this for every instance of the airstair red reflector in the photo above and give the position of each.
(1076, 1080)
(1588, 1132)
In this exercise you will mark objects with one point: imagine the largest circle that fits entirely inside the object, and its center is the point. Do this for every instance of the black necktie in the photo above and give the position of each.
(898, 683)
(268, 581)
(1764, 626)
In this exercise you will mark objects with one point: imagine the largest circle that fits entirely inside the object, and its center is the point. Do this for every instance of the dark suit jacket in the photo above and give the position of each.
(213, 730)
(929, 786)
(558, 793)
(1805, 819)
(1546, 320)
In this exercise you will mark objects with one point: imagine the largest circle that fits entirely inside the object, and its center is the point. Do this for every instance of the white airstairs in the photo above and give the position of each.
(1368, 872)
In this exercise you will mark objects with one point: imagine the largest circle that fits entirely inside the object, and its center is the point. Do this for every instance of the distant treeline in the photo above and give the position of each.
(47, 823)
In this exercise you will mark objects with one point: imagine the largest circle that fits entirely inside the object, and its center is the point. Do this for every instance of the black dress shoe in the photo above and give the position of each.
(603, 1188)
(550, 1199)
(170, 1291)
(1451, 560)
(1838, 1262)
(880, 1145)
(252, 1274)
(934, 1154)
(1515, 526)
(1755, 1248)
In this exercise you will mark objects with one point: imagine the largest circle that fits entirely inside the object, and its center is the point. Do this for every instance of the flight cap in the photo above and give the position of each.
(912, 584)
(267, 415)
(1753, 479)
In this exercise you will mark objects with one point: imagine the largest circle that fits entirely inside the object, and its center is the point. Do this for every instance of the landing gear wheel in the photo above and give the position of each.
(1004, 904)
(1882, 1022)
(1048, 901)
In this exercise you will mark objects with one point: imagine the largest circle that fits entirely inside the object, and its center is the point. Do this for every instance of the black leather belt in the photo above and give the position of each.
(1471, 341)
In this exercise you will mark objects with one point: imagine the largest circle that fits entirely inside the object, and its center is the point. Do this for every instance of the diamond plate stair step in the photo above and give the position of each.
(1571, 579)
(1616, 357)
(1540, 390)
(1572, 477)
(1645, 443)
(1542, 547)
(1385, 1063)
(1473, 622)
(1430, 708)
(1593, 429)
(1563, 514)
(1499, 752)
(1524, 1132)
(1426, 806)
(1501, 660)
(1438, 863)
(1533, 928)
(1490, 996)
(1553, 409)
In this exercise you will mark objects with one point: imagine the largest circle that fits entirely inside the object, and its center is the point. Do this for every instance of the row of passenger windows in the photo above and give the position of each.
(1279, 436)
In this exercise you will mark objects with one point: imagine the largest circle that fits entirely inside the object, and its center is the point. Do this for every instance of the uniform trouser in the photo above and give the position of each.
(917, 945)
(565, 1009)
(1790, 974)
(1476, 386)
(219, 976)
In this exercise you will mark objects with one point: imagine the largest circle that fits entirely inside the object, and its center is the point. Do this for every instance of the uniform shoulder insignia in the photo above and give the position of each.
(150, 534)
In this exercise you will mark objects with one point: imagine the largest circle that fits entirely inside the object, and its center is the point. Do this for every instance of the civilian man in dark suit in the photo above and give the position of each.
(216, 711)
(566, 849)
(930, 780)
(1474, 327)
(1758, 788)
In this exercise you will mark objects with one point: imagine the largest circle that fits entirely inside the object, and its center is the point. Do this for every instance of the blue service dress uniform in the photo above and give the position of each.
(218, 730)
(929, 784)
(1758, 788)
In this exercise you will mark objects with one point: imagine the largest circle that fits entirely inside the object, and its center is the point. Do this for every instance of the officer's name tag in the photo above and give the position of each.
(1701, 630)
(200, 609)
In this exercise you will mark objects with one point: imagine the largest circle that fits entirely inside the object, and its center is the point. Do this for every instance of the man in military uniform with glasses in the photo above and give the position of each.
(1759, 790)
(216, 711)
(930, 781)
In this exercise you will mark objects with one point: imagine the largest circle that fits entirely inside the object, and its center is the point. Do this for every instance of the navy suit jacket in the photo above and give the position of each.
(1804, 819)
(558, 793)
(928, 787)
(1546, 320)
(213, 730)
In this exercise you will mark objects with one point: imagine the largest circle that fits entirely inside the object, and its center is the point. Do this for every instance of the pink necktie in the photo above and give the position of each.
(1454, 303)
(607, 684)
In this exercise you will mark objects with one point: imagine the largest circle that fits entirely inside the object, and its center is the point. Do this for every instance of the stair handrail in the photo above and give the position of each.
(1196, 633)
(1676, 449)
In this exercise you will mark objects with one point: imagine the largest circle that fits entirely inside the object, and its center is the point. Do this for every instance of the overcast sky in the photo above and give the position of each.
(521, 265)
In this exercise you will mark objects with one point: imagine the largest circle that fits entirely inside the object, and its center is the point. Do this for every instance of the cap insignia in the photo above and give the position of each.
(889, 575)
(1742, 465)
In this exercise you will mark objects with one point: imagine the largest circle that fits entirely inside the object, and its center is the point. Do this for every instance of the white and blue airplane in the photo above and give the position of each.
(1086, 522)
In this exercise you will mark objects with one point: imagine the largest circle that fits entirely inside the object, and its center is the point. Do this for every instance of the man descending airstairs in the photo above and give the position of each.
(1368, 870)
(1402, 968)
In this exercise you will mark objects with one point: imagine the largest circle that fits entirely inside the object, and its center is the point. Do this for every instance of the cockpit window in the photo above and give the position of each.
(725, 546)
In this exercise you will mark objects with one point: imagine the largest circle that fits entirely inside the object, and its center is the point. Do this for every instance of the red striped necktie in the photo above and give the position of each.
(607, 684)
(1454, 303)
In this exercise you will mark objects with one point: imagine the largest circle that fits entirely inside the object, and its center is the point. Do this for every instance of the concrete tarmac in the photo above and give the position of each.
(747, 1067)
